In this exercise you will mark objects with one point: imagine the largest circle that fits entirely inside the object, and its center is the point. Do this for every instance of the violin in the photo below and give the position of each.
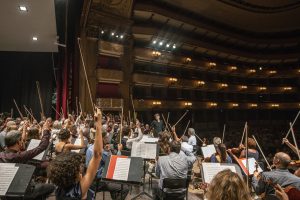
(294, 163)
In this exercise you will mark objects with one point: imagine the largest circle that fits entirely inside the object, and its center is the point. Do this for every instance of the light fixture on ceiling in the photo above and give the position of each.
(102, 31)
(244, 86)
(201, 83)
(188, 103)
(235, 105)
(117, 36)
(121, 36)
(260, 68)
(161, 43)
(252, 70)
(174, 46)
(168, 45)
(23, 8)
(154, 42)
(253, 105)
(34, 38)
(112, 33)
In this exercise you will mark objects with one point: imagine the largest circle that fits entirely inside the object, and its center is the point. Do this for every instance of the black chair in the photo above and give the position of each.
(175, 189)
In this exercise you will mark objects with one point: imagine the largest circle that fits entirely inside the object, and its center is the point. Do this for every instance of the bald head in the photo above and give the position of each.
(281, 160)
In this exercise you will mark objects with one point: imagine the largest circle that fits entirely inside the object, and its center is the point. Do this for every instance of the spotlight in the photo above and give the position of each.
(121, 36)
(154, 42)
(168, 45)
(112, 33)
(23, 8)
(161, 43)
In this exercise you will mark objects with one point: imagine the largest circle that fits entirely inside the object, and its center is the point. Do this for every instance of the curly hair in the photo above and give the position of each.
(64, 170)
(227, 185)
(64, 134)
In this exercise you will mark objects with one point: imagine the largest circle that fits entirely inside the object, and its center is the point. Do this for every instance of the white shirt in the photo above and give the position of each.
(185, 147)
(192, 140)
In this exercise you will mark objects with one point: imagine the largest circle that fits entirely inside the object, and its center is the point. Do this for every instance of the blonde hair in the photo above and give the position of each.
(227, 185)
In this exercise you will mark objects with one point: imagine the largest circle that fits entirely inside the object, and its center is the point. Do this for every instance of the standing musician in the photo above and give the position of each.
(281, 176)
(157, 125)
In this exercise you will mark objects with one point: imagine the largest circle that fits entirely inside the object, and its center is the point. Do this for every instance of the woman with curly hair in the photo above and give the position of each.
(64, 145)
(227, 185)
(65, 170)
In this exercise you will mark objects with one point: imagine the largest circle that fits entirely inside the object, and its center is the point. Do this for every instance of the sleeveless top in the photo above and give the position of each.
(59, 152)
(74, 192)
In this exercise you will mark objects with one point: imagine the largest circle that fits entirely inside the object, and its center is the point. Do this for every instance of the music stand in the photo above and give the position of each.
(21, 180)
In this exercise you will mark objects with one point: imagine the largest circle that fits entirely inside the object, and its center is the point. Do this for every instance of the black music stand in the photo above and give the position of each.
(134, 175)
(21, 181)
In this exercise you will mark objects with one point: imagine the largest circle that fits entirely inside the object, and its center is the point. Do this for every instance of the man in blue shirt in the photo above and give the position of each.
(114, 189)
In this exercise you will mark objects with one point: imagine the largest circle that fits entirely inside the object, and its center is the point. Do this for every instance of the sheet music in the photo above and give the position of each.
(122, 169)
(77, 142)
(208, 150)
(251, 162)
(8, 172)
(149, 139)
(33, 144)
(144, 150)
(211, 169)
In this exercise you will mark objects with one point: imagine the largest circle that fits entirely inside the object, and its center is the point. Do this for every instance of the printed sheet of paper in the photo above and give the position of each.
(77, 142)
(122, 169)
(148, 139)
(33, 144)
(8, 172)
(211, 169)
(208, 150)
(251, 162)
(144, 150)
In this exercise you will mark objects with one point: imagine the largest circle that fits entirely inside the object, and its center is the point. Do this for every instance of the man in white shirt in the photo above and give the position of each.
(192, 139)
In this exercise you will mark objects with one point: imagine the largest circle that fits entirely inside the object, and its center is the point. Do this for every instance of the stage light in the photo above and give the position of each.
(174, 46)
(262, 88)
(156, 103)
(188, 104)
(102, 32)
(34, 38)
(260, 68)
(161, 43)
(117, 36)
(23, 8)
(154, 42)
(112, 33)
(121, 36)
(275, 105)
(287, 88)
(213, 104)
(201, 83)
(168, 45)
(212, 64)
(233, 68)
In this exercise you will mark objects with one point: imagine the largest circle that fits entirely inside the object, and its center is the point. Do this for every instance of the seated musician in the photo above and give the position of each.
(64, 145)
(114, 189)
(221, 156)
(164, 143)
(295, 150)
(227, 185)
(187, 151)
(172, 165)
(66, 173)
(241, 151)
(10, 125)
(280, 176)
(14, 153)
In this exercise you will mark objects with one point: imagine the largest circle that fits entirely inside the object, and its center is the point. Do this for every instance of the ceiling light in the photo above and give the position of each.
(213, 104)
(201, 83)
(273, 72)
(235, 104)
(102, 32)
(112, 33)
(212, 64)
(252, 70)
(168, 45)
(188, 104)
(260, 68)
(174, 46)
(253, 105)
(34, 38)
(154, 42)
(244, 87)
(23, 8)
(121, 36)
(233, 68)
(262, 88)
(117, 36)
(156, 103)
(161, 43)
(287, 88)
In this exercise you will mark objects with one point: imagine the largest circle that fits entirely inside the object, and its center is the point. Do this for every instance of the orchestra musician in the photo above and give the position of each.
(157, 125)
